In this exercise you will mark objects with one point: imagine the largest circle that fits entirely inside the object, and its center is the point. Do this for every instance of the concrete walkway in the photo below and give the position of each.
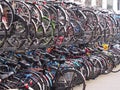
(110, 81)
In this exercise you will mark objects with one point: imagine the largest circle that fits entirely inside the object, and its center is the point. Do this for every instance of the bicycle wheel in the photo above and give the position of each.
(90, 67)
(80, 66)
(97, 65)
(15, 83)
(62, 17)
(85, 69)
(46, 20)
(110, 65)
(4, 87)
(3, 34)
(18, 33)
(40, 77)
(35, 12)
(103, 63)
(53, 13)
(80, 17)
(28, 77)
(68, 79)
(87, 35)
(92, 19)
(44, 38)
(97, 32)
(102, 20)
(8, 13)
(22, 9)
(32, 37)
(116, 60)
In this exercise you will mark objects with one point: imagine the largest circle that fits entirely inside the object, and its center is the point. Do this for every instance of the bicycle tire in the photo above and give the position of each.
(16, 33)
(70, 84)
(23, 6)
(12, 12)
(3, 35)
(94, 17)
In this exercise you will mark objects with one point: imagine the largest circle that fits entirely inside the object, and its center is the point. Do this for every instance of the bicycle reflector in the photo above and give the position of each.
(26, 86)
(49, 50)
(105, 46)
(31, 82)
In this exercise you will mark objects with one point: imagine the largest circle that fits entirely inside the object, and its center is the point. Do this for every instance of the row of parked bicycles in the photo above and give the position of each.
(54, 45)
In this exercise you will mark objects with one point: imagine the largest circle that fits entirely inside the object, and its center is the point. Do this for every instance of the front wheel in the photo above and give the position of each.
(68, 79)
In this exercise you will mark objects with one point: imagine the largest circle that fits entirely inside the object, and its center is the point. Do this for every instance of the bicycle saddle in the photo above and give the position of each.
(6, 75)
(60, 61)
(11, 64)
(61, 52)
(23, 64)
(50, 56)
(29, 59)
(75, 52)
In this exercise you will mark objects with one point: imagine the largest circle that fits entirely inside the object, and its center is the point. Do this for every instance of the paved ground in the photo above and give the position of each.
(110, 81)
